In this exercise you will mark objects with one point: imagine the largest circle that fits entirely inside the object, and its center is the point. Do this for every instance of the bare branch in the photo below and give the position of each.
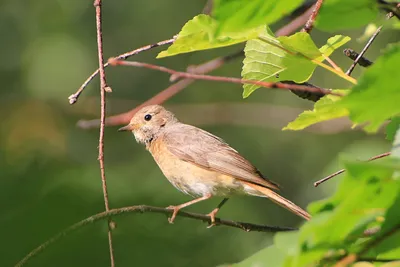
(350, 70)
(178, 74)
(162, 96)
(317, 183)
(310, 22)
(179, 86)
(103, 89)
(248, 227)
(74, 97)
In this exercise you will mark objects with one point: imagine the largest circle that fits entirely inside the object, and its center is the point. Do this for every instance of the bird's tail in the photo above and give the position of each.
(278, 199)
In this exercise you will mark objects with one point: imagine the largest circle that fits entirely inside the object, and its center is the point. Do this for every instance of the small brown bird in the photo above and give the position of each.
(199, 163)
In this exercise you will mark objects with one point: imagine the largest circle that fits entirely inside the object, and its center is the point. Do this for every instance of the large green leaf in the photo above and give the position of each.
(199, 34)
(323, 110)
(238, 15)
(344, 14)
(284, 58)
(376, 97)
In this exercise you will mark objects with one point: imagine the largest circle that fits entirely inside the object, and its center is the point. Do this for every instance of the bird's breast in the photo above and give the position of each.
(189, 177)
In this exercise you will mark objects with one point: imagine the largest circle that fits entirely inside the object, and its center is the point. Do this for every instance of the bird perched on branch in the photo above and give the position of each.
(199, 163)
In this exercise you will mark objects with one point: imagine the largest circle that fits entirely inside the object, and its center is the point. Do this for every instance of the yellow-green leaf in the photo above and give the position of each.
(199, 34)
(324, 110)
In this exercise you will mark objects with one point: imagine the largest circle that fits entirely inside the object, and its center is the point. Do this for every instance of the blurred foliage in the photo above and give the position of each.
(378, 82)
(49, 176)
(340, 14)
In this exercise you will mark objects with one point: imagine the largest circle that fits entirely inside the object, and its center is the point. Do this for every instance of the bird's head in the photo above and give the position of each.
(149, 122)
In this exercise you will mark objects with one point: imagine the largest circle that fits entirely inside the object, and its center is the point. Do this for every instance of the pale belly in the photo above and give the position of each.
(196, 181)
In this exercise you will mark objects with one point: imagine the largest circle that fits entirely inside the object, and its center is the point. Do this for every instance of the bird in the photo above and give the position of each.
(199, 163)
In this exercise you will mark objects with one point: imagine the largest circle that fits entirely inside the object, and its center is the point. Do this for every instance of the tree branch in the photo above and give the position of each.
(74, 97)
(350, 70)
(177, 74)
(362, 61)
(167, 93)
(162, 96)
(248, 227)
(103, 89)
(310, 22)
(317, 183)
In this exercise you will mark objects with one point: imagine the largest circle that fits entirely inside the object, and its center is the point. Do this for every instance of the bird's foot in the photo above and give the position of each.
(174, 213)
(212, 217)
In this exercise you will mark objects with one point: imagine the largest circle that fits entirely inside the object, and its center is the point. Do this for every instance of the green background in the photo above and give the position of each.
(49, 175)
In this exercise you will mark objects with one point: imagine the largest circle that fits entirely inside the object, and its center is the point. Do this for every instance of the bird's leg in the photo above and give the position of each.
(184, 205)
(214, 212)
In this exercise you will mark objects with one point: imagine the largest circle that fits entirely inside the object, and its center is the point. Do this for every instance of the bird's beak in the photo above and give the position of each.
(129, 127)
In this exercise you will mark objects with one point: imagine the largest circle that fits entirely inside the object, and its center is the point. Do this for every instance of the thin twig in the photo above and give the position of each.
(167, 93)
(248, 227)
(162, 96)
(178, 74)
(333, 64)
(74, 97)
(310, 22)
(350, 70)
(363, 62)
(317, 183)
(103, 89)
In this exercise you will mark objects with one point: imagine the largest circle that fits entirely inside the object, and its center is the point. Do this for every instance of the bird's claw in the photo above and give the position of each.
(175, 209)
(212, 218)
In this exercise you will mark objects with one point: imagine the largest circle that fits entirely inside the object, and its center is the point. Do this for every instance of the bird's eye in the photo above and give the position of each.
(147, 117)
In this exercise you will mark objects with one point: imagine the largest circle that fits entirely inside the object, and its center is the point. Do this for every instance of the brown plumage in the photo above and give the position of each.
(199, 163)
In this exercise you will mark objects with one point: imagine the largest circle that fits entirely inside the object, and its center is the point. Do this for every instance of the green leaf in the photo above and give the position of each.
(323, 110)
(344, 14)
(369, 196)
(199, 34)
(284, 58)
(238, 15)
(332, 44)
(389, 248)
(392, 127)
(376, 97)
(365, 194)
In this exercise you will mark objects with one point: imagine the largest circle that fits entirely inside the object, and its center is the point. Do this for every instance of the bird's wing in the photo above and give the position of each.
(208, 151)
